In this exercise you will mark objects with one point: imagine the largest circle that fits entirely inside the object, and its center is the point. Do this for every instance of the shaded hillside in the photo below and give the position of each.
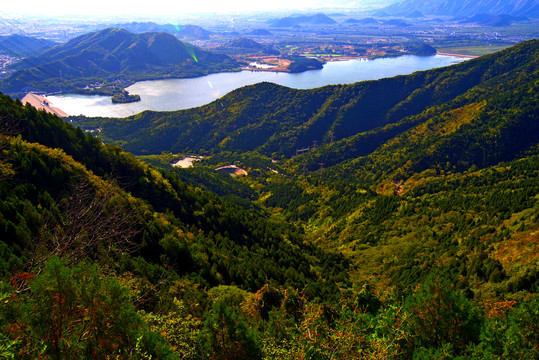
(69, 203)
(445, 133)
(23, 46)
(190, 210)
(273, 119)
(474, 136)
(113, 54)
(472, 226)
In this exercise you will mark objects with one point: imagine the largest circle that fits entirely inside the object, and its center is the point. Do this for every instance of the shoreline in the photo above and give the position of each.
(458, 55)
(171, 100)
(350, 58)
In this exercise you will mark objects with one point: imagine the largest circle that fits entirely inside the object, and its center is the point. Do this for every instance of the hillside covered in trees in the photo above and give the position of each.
(410, 231)
(99, 61)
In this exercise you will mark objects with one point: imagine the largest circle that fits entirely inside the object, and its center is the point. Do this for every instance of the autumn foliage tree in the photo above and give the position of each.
(71, 313)
(440, 315)
(94, 221)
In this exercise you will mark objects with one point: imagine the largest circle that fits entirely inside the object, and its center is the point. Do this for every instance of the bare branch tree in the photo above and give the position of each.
(9, 126)
(91, 224)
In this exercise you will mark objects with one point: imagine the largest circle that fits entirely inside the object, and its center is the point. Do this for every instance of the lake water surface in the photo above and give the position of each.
(176, 94)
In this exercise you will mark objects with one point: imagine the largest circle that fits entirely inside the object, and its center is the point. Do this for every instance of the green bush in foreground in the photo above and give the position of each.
(72, 313)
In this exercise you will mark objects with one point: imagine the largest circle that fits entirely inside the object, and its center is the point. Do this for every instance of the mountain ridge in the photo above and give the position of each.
(344, 110)
(527, 8)
(113, 53)
(180, 31)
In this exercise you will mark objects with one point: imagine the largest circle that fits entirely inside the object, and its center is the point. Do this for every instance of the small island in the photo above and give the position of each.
(419, 49)
(301, 64)
(124, 97)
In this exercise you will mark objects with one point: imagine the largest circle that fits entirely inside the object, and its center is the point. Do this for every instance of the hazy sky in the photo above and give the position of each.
(163, 7)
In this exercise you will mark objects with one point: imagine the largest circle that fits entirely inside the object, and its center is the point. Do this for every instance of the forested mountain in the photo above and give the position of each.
(23, 46)
(113, 54)
(409, 232)
(528, 8)
(67, 200)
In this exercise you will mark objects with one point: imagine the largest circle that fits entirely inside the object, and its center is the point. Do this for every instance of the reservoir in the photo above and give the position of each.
(176, 94)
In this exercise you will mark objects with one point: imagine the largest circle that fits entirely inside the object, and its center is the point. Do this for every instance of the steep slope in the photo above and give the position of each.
(38, 180)
(487, 117)
(528, 8)
(447, 191)
(113, 53)
(451, 192)
(473, 226)
(23, 46)
(396, 136)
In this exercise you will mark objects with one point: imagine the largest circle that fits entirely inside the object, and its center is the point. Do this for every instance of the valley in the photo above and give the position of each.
(371, 199)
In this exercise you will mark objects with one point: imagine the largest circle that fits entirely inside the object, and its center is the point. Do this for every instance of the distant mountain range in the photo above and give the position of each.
(291, 21)
(493, 20)
(479, 19)
(528, 8)
(23, 46)
(371, 21)
(113, 54)
(180, 31)
(365, 21)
